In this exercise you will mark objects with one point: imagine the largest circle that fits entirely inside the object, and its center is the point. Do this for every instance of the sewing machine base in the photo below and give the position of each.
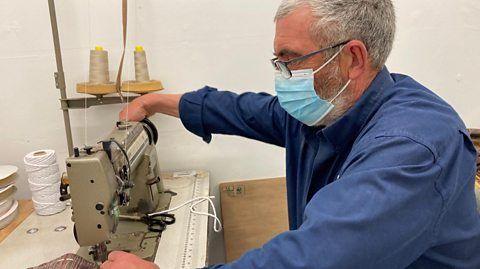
(134, 237)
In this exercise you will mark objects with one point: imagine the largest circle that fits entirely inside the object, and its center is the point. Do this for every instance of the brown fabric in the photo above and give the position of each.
(68, 261)
(475, 134)
(124, 31)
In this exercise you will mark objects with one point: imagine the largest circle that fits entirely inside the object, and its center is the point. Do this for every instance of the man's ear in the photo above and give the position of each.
(354, 60)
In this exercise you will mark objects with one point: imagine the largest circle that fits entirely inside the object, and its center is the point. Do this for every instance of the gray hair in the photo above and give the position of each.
(370, 21)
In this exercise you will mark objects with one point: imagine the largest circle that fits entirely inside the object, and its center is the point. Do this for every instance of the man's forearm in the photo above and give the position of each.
(252, 115)
(149, 104)
(163, 103)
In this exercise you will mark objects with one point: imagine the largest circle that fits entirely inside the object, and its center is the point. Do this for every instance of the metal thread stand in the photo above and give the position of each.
(72, 103)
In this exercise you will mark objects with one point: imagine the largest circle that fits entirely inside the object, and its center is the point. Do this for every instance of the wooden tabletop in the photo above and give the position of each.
(26, 208)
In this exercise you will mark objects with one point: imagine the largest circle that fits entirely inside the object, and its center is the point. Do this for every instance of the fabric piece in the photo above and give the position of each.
(68, 261)
(388, 185)
(118, 82)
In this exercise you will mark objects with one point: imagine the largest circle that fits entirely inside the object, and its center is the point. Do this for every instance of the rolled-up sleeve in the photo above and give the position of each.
(380, 213)
(253, 115)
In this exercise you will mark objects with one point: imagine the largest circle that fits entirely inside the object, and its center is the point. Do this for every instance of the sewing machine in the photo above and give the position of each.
(113, 186)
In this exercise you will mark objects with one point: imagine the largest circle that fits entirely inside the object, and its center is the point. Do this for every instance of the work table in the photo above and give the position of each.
(26, 250)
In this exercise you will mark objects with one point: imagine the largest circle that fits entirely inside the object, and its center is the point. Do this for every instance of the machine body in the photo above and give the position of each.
(112, 185)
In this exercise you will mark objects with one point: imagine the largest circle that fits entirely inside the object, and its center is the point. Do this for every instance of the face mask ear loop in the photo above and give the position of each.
(341, 91)
(330, 60)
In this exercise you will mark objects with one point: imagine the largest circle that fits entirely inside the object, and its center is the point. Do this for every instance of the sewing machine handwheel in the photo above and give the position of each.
(151, 130)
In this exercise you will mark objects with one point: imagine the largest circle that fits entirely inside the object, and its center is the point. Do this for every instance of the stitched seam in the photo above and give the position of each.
(436, 227)
(206, 133)
(415, 139)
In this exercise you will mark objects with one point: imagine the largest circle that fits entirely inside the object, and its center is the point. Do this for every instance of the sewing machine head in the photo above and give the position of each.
(119, 176)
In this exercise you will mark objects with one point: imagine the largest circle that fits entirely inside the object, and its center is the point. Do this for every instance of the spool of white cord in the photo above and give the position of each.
(44, 180)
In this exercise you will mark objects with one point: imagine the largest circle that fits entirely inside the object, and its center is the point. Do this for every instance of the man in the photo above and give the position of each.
(380, 170)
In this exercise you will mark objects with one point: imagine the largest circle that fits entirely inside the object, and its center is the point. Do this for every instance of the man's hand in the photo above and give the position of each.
(149, 104)
(138, 109)
(123, 260)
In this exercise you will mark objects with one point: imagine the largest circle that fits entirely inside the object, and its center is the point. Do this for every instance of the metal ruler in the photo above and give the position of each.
(188, 255)
(184, 244)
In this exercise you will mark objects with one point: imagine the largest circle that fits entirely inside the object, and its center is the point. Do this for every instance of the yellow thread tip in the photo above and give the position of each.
(139, 48)
(98, 48)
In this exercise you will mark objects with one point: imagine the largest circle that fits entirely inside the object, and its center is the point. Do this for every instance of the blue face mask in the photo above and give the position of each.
(298, 97)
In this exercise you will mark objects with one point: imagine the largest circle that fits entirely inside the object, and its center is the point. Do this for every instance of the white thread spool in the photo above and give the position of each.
(141, 66)
(44, 181)
(99, 73)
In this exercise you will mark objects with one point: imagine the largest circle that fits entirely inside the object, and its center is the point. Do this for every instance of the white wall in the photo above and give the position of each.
(437, 45)
(223, 43)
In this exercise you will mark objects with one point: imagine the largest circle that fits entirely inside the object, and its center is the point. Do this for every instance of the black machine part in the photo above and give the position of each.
(151, 130)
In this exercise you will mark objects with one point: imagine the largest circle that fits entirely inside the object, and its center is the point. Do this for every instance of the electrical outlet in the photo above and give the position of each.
(239, 190)
(235, 190)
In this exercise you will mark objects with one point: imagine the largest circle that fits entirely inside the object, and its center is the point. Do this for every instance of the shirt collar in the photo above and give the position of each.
(345, 130)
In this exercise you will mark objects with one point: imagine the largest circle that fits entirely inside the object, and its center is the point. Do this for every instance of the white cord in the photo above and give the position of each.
(217, 224)
(44, 179)
(216, 221)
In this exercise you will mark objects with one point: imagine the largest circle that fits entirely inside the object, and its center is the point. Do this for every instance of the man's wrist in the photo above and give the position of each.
(151, 103)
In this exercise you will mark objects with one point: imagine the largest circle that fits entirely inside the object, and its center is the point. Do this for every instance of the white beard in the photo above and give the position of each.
(342, 105)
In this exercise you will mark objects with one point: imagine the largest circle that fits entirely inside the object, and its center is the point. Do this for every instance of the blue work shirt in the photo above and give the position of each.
(390, 184)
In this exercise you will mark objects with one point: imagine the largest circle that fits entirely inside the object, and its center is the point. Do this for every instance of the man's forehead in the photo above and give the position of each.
(293, 32)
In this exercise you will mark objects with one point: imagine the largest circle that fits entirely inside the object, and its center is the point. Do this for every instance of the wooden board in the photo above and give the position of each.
(253, 212)
(26, 208)
(142, 87)
(96, 89)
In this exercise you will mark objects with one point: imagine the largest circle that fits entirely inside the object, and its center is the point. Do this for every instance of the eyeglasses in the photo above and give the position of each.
(282, 66)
